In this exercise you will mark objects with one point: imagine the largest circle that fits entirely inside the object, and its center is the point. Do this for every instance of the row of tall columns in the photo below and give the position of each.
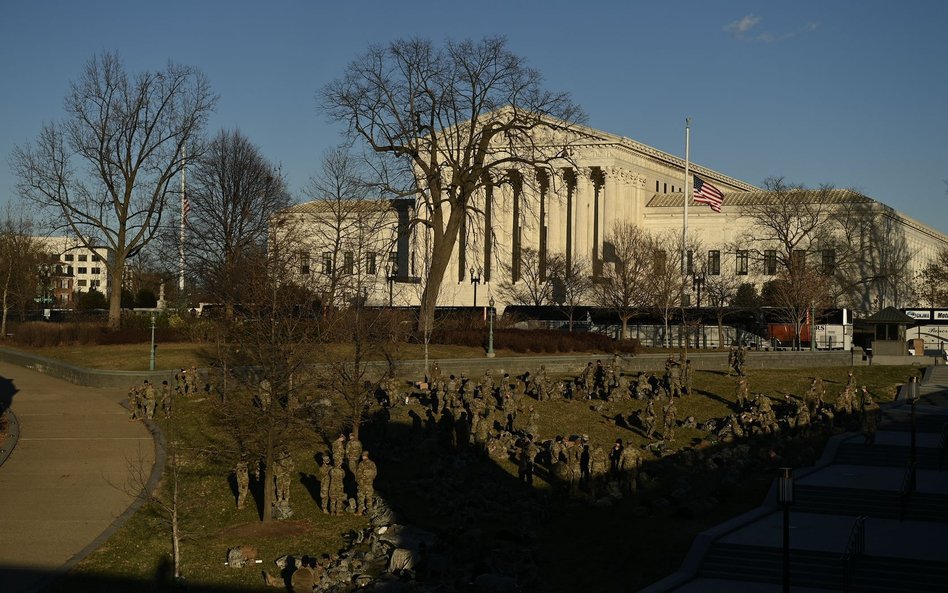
(572, 219)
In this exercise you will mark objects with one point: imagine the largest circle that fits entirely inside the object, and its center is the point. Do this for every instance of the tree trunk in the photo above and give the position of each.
(175, 532)
(268, 477)
(115, 294)
(625, 327)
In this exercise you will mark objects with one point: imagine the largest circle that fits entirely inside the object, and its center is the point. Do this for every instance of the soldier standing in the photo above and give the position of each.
(324, 468)
(165, 397)
(674, 380)
(598, 468)
(525, 457)
(870, 417)
(629, 461)
(337, 488)
(742, 393)
(671, 415)
(688, 376)
(149, 397)
(242, 474)
(134, 403)
(339, 450)
(365, 484)
(282, 469)
(650, 419)
(353, 452)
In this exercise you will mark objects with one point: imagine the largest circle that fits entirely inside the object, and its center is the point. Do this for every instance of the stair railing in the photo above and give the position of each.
(943, 446)
(909, 481)
(855, 547)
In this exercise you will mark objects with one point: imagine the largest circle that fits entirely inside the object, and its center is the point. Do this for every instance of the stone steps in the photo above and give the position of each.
(824, 570)
(880, 504)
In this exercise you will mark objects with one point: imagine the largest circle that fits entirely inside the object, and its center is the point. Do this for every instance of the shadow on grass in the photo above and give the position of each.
(17, 579)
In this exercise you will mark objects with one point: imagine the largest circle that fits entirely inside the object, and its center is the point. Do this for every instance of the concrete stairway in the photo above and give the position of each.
(822, 570)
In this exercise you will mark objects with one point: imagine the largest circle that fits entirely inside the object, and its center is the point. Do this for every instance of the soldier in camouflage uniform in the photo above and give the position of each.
(353, 453)
(598, 469)
(671, 416)
(135, 403)
(242, 475)
(650, 419)
(337, 488)
(339, 450)
(741, 393)
(149, 400)
(365, 484)
(324, 468)
(574, 465)
(628, 466)
(282, 472)
(674, 380)
(164, 397)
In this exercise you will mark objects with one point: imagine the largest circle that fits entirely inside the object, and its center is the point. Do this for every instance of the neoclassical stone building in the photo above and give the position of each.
(570, 210)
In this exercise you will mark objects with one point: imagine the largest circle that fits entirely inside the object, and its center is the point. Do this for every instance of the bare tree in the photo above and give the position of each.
(720, 291)
(623, 286)
(534, 286)
(446, 120)
(106, 172)
(931, 282)
(665, 279)
(272, 342)
(348, 228)
(571, 284)
(20, 255)
(233, 192)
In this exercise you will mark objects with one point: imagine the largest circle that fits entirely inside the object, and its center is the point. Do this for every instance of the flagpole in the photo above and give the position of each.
(684, 224)
(183, 215)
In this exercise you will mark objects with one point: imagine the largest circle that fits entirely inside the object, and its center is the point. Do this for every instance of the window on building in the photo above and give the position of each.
(660, 261)
(799, 259)
(327, 263)
(82, 257)
(665, 187)
(714, 262)
(94, 283)
(304, 264)
(64, 283)
(770, 262)
(68, 257)
(370, 264)
(741, 265)
(96, 258)
(83, 270)
(80, 282)
(656, 185)
(392, 263)
(348, 263)
(96, 270)
(828, 262)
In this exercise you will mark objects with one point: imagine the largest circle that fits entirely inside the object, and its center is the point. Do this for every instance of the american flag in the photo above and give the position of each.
(705, 193)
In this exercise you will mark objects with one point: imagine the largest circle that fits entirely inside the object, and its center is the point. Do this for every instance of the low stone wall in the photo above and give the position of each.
(81, 375)
(700, 360)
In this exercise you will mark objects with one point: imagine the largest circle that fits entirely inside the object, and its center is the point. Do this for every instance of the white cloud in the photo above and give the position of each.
(741, 27)
(744, 29)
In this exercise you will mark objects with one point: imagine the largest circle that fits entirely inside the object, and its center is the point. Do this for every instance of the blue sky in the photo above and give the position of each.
(851, 93)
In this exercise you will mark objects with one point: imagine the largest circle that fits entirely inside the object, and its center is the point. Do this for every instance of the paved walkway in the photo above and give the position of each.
(64, 484)
(746, 549)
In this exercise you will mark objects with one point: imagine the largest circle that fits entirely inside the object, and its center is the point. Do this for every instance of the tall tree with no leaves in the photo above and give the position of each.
(233, 191)
(20, 254)
(570, 284)
(623, 286)
(443, 120)
(105, 173)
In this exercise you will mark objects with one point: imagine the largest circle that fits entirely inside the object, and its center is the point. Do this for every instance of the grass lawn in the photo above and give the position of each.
(579, 547)
(176, 355)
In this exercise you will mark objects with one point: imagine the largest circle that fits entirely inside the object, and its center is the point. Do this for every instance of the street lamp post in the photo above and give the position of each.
(913, 395)
(151, 364)
(490, 328)
(391, 272)
(697, 281)
(785, 497)
(475, 280)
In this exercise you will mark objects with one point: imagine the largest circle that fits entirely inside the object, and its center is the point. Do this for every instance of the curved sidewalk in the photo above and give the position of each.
(66, 482)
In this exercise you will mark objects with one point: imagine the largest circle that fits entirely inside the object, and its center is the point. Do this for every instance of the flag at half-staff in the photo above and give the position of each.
(705, 193)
